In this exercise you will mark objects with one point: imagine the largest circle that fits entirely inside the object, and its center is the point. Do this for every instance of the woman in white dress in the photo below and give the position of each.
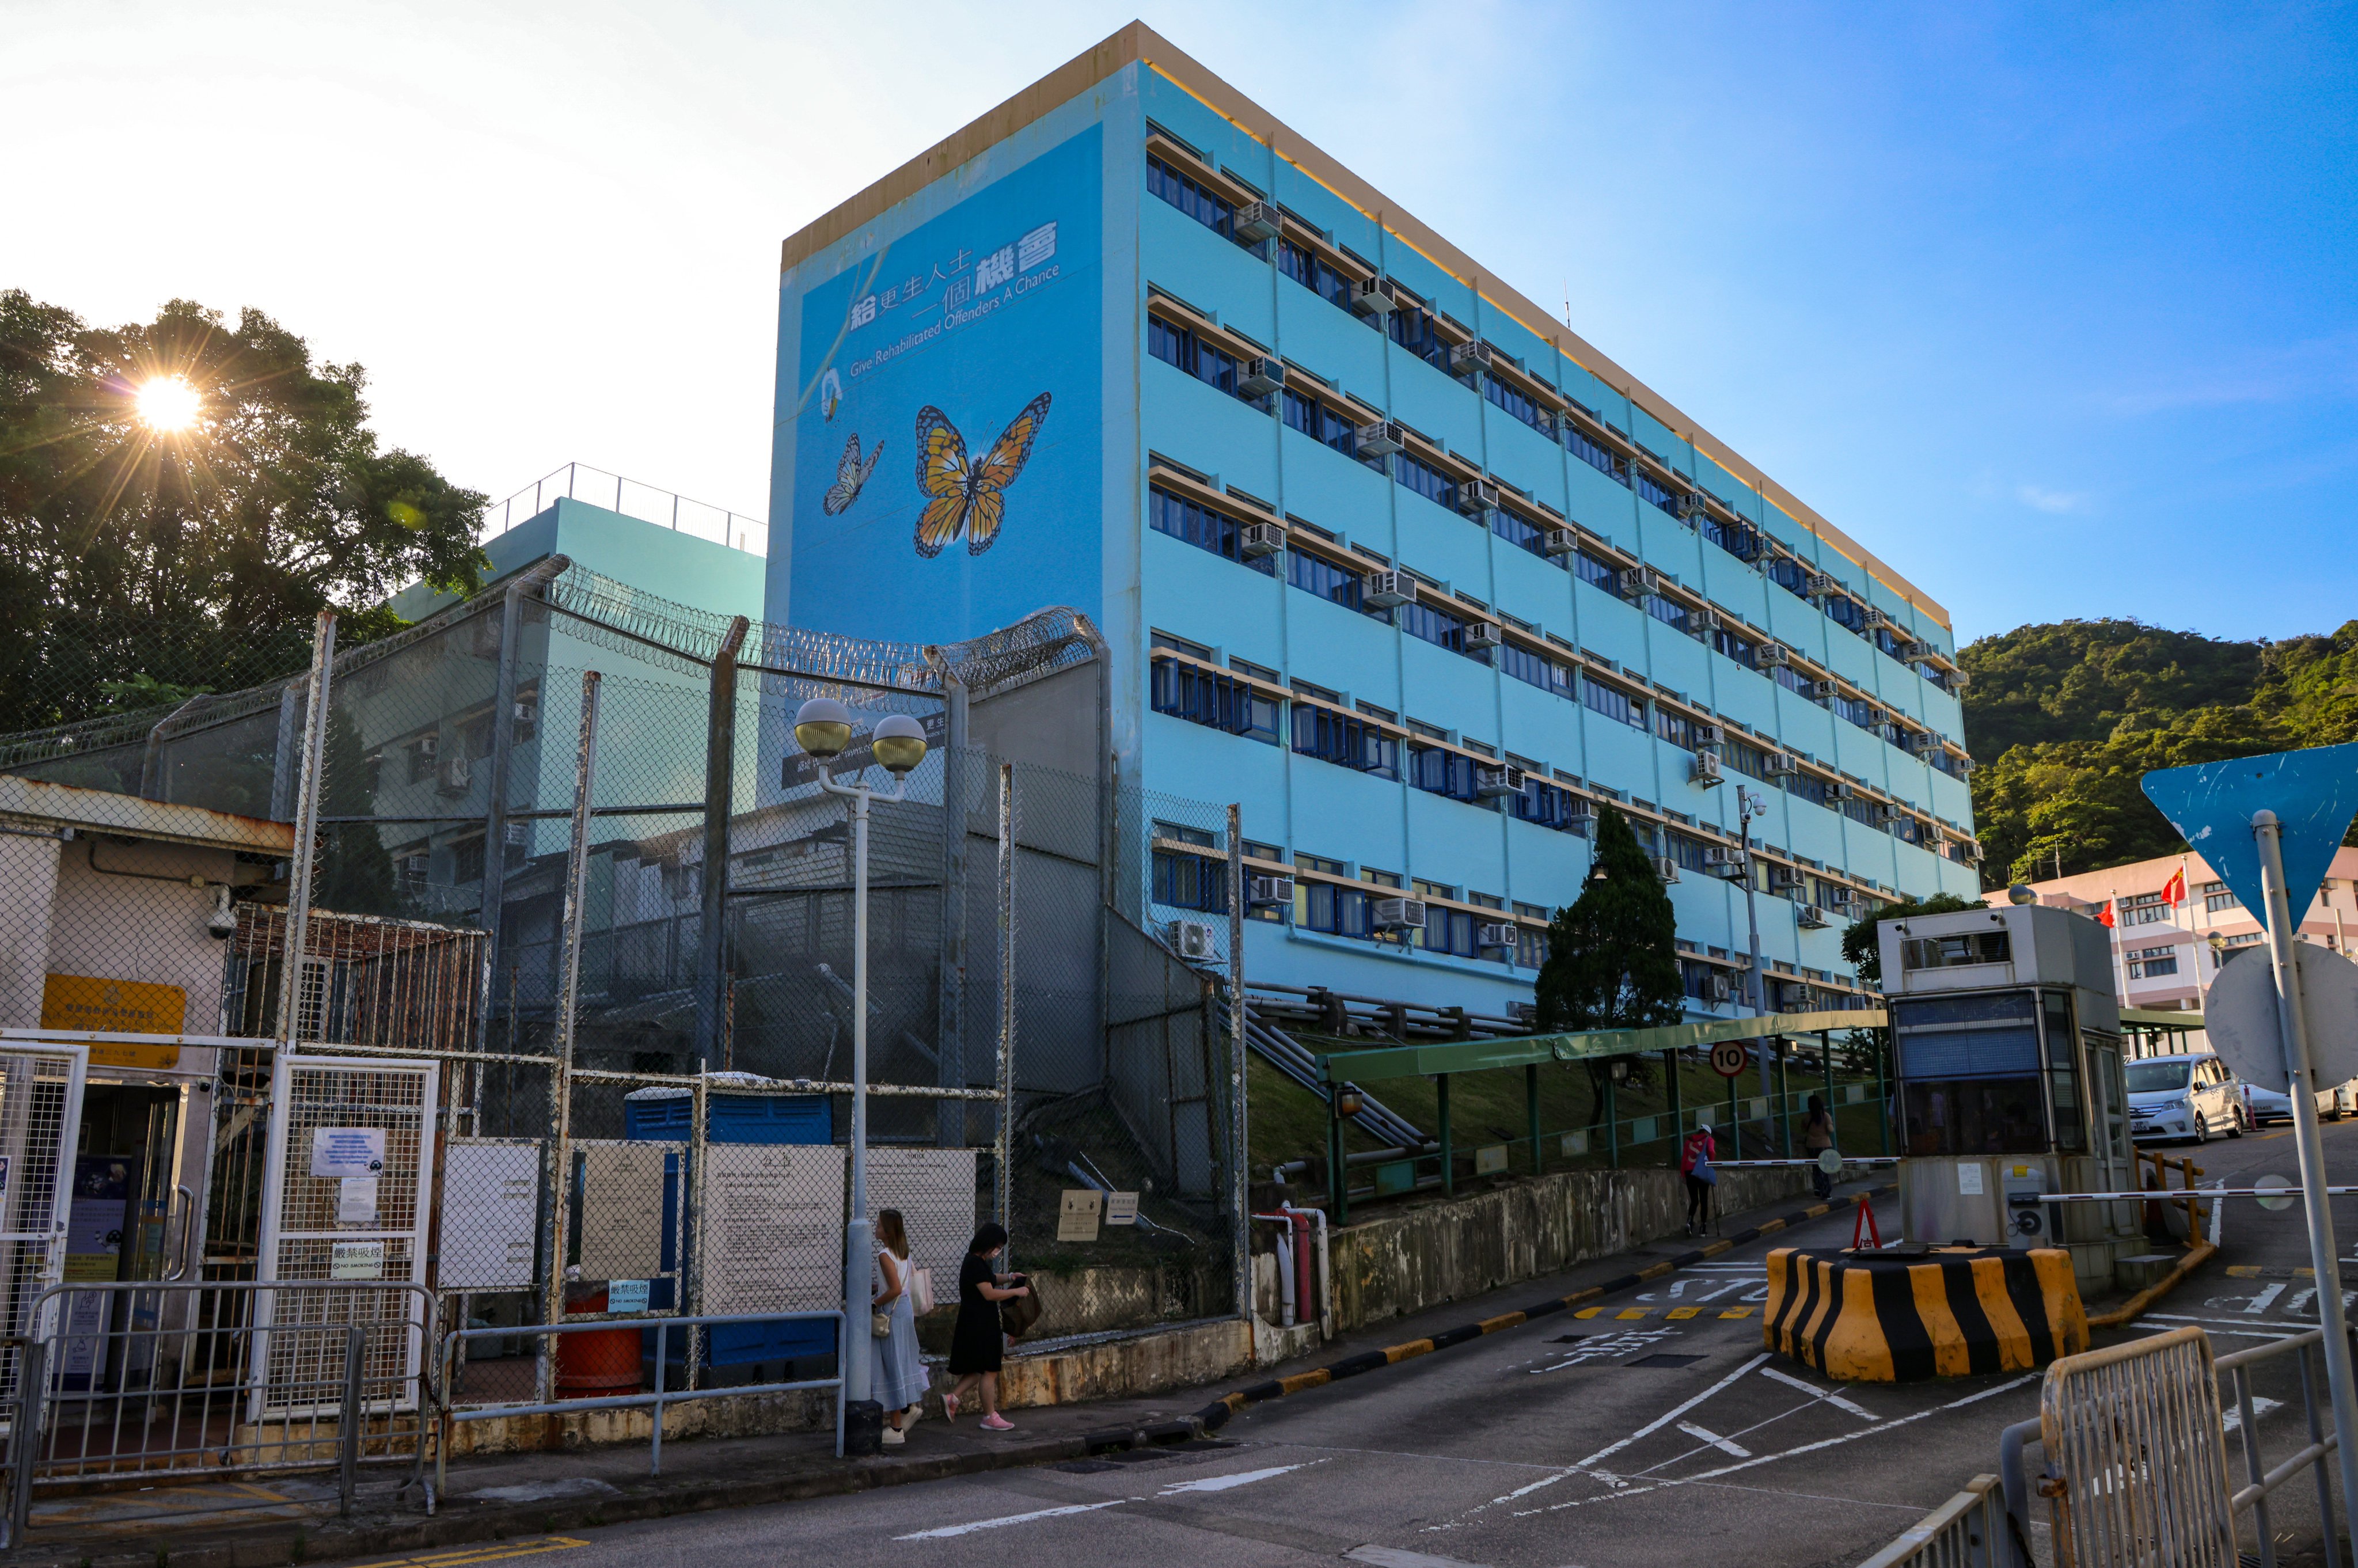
(898, 1376)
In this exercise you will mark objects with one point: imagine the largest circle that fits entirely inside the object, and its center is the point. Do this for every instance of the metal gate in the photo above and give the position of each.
(347, 1198)
(40, 1107)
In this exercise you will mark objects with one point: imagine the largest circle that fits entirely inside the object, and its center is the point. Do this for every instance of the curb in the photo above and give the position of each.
(1216, 1415)
(277, 1544)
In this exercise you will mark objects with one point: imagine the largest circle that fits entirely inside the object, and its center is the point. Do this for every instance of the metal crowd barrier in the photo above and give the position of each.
(163, 1379)
(1962, 1533)
(655, 1398)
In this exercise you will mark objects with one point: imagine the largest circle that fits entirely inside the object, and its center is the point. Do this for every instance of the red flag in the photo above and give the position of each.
(2173, 892)
(2106, 917)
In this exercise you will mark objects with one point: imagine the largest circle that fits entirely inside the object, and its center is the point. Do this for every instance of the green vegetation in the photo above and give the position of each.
(2071, 714)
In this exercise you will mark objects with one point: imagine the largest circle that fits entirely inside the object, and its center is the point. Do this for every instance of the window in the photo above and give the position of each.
(1199, 525)
(1597, 572)
(1321, 863)
(1613, 702)
(1320, 423)
(2153, 963)
(1788, 574)
(1220, 702)
(1546, 805)
(1413, 329)
(1314, 575)
(1519, 404)
(1442, 772)
(1380, 878)
(1738, 648)
(1260, 851)
(1449, 931)
(1424, 888)
(1191, 198)
(1736, 538)
(466, 859)
(1425, 479)
(1322, 906)
(1207, 363)
(1676, 727)
(1305, 267)
(1946, 952)
(1346, 741)
(1534, 669)
(1594, 454)
(1434, 626)
(1670, 611)
(1643, 483)
(2146, 909)
(1522, 533)
(2214, 902)
(1190, 881)
(1973, 1116)
(1792, 680)
(1846, 611)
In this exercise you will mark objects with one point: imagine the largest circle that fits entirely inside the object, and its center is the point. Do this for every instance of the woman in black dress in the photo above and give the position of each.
(977, 1346)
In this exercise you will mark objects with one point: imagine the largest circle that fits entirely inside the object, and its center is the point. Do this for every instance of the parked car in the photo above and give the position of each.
(2184, 1097)
(2333, 1104)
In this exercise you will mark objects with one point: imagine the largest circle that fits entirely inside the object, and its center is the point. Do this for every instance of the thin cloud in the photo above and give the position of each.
(2045, 500)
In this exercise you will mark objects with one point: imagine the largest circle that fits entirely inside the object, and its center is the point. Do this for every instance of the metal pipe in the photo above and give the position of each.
(307, 826)
(1317, 1218)
(1003, 1177)
(559, 1165)
(2011, 1443)
(1240, 1174)
(719, 787)
(347, 1446)
(496, 814)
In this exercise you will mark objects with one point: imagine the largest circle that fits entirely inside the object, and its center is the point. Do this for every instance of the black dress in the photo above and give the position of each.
(977, 1345)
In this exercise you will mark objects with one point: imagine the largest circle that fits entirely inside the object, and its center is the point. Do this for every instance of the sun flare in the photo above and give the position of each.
(168, 404)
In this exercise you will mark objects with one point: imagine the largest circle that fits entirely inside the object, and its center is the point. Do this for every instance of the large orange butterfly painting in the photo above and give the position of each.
(963, 499)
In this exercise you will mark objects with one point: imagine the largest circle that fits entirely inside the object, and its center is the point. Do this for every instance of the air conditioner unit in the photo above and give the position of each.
(1258, 221)
(1817, 585)
(1809, 917)
(1481, 637)
(1475, 496)
(1704, 621)
(1719, 989)
(415, 867)
(1495, 782)
(1922, 742)
(1870, 618)
(1782, 878)
(1465, 359)
(1268, 892)
(1767, 656)
(1725, 861)
(1882, 811)
(1687, 507)
(1638, 580)
(1261, 540)
(1823, 689)
(1912, 651)
(1498, 935)
(1874, 715)
(426, 747)
(1385, 590)
(1840, 898)
(1524, 1012)
(1559, 542)
(1375, 296)
(1959, 680)
(1192, 941)
(528, 715)
(1259, 378)
(1964, 767)
(1704, 770)
(1667, 867)
(1578, 815)
(1779, 765)
(1839, 789)
(1709, 734)
(454, 775)
(1381, 438)
(1396, 913)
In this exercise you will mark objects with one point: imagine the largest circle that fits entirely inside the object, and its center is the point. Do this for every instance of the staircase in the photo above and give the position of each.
(1289, 1057)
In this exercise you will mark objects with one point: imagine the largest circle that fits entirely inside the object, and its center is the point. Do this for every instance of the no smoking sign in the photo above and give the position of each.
(1727, 1058)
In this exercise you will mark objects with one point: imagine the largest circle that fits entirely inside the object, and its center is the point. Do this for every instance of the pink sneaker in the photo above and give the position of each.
(994, 1421)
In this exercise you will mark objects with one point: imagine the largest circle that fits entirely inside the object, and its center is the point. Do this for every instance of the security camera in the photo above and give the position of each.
(222, 922)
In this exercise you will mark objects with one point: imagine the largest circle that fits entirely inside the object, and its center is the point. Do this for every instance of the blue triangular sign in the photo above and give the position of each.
(2314, 794)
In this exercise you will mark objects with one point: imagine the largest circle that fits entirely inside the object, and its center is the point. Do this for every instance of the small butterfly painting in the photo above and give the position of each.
(850, 476)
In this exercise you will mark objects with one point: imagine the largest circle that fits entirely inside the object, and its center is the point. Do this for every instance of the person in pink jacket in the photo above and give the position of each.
(1696, 1151)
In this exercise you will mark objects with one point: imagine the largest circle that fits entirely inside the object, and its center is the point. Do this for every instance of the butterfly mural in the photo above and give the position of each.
(963, 498)
(850, 475)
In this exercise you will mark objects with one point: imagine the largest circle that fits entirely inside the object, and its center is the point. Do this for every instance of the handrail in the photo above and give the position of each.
(1482, 1055)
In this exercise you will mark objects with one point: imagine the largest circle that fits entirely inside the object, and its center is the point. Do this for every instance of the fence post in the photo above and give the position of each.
(1612, 1126)
(307, 830)
(719, 787)
(950, 1032)
(25, 1435)
(1882, 1091)
(691, 1212)
(1676, 1102)
(495, 812)
(559, 1165)
(1002, 1176)
(1241, 1174)
(1532, 1114)
(1448, 1154)
(347, 1445)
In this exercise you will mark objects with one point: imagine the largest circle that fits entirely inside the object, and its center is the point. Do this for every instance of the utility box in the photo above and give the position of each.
(2006, 1032)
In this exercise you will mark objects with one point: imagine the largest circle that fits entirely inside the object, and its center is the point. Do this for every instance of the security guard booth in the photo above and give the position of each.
(2007, 1041)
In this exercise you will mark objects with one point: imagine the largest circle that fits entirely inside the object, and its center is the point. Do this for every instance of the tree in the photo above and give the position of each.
(140, 566)
(1860, 946)
(1612, 959)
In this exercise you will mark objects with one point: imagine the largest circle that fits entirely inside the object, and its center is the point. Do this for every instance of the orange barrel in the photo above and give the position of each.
(591, 1361)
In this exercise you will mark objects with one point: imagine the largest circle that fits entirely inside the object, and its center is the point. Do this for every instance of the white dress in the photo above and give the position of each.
(897, 1380)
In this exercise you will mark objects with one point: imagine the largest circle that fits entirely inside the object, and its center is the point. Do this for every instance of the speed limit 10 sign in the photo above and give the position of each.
(1727, 1058)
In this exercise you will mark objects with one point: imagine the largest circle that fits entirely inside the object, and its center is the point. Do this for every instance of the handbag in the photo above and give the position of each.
(880, 1324)
(1018, 1313)
(921, 1291)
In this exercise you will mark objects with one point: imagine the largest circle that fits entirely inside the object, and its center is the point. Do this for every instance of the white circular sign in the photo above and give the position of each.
(2239, 1013)
(2273, 1184)
(1830, 1161)
(1727, 1058)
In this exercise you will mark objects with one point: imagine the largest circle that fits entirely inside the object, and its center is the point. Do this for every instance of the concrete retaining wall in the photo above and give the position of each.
(1413, 1259)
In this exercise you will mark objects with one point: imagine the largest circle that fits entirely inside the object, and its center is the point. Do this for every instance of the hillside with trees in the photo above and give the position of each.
(2065, 718)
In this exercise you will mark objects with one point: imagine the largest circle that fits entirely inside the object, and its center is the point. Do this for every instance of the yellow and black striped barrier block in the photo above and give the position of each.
(1903, 1317)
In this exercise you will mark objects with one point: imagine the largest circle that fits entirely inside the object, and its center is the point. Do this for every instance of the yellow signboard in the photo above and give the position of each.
(83, 1003)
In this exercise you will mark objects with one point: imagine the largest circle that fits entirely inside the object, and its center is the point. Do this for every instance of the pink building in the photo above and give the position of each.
(2165, 952)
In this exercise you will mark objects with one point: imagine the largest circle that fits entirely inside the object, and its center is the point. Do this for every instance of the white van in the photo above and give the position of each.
(2333, 1104)
(2184, 1097)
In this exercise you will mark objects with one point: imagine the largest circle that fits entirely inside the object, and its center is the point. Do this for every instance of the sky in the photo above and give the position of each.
(2052, 307)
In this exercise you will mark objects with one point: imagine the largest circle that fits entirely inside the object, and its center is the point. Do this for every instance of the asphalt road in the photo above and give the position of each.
(1611, 1439)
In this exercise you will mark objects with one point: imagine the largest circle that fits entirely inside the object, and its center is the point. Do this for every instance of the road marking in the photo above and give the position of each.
(2300, 1299)
(1680, 1315)
(2244, 1270)
(1393, 1557)
(1826, 1395)
(1671, 1415)
(1223, 1483)
(2232, 1322)
(2235, 1416)
(1588, 1312)
(1731, 1285)
(949, 1530)
(1724, 1446)
(1737, 1312)
(2266, 1299)
(1629, 1313)
(490, 1554)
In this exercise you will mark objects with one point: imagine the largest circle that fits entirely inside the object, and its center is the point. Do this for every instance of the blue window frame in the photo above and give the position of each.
(1522, 533)
(1548, 806)
(1807, 786)
(1745, 758)
(1788, 574)
(1792, 680)
(1685, 849)
(1858, 711)
(1669, 611)
(1846, 611)
(1613, 702)
(1316, 575)
(1643, 483)
(1207, 363)
(1201, 527)
(1216, 702)
(1434, 626)
(1343, 741)
(1676, 727)
(1190, 881)
(1593, 453)
(1213, 212)
(1441, 773)
(1534, 669)
(1449, 931)
(1736, 538)
(1321, 424)
(1597, 572)
(1522, 405)
(1411, 328)
(1304, 265)
(1322, 906)
(1740, 649)
(1423, 479)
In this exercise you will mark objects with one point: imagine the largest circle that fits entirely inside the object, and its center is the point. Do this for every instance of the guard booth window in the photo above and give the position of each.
(1947, 952)
(2063, 1077)
(1970, 1071)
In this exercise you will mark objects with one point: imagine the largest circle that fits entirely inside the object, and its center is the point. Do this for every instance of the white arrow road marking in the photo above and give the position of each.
(2267, 1298)
(1735, 1285)
(1724, 1444)
(1393, 1557)
(1827, 1395)
(947, 1530)
(1222, 1483)
(2235, 1416)
(1658, 1423)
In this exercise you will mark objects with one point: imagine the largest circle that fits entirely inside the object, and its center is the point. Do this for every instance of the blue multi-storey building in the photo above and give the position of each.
(1380, 548)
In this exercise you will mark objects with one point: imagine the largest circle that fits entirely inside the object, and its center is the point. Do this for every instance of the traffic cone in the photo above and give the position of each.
(1864, 1231)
